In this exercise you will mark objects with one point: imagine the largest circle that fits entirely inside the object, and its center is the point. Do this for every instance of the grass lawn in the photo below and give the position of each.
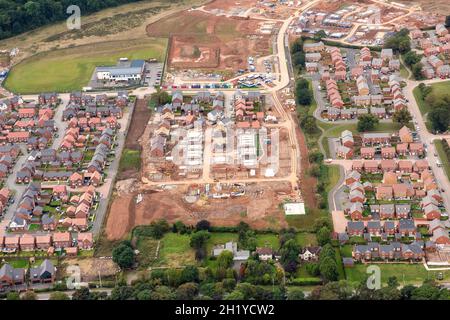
(405, 273)
(439, 88)
(71, 69)
(18, 263)
(334, 131)
(147, 251)
(176, 251)
(346, 251)
(131, 159)
(305, 223)
(333, 177)
(340, 265)
(443, 156)
(268, 240)
(306, 239)
(420, 101)
(34, 227)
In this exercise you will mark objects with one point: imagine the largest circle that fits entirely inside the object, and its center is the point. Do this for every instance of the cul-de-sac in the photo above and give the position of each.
(225, 150)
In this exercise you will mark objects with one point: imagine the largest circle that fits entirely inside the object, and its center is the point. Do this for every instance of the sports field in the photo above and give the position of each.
(70, 69)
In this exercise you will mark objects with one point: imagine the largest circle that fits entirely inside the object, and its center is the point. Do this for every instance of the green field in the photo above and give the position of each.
(443, 156)
(439, 88)
(71, 69)
(405, 273)
(420, 101)
(175, 250)
(131, 159)
(333, 177)
(306, 239)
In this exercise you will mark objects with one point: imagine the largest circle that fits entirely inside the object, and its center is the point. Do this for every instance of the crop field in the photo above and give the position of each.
(70, 69)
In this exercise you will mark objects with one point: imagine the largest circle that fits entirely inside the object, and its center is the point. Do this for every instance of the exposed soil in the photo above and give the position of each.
(139, 120)
(224, 42)
(92, 267)
(258, 208)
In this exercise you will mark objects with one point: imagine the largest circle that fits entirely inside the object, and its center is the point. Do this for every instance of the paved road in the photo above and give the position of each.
(427, 137)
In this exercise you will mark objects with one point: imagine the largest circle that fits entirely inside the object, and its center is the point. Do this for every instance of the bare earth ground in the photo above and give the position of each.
(435, 6)
(259, 211)
(141, 115)
(90, 268)
(259, 207)
(224, 43)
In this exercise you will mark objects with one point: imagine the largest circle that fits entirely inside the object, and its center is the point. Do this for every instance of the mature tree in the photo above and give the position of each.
(187, 291)
(163, 293)
(157, 229)
(367, 122)
(235, 295)
(145, 294)
(122, 293)
(309, 124)
(58, 295)
(320, 35)
(303, 96)
(82, 294)
(297, 45)
(417, 71)
(424, 89)
(313, 269)
(316, 157)
(324, 236)
(407, 291)
(327, 251)
(295, 294)
(439, 119)
(387, 293)
(399, 42)
(123, 255)
(425, 292)
(328, 269)
(189, 274)
(179, 227)
(229, 284)
(411, 58)
(29, 295)
(404, 46)
(402, 117)
(199, 238)
(298, 59)
(289, 255)
(225, 260)
(203, 225)
(341, 290)
(322, 222)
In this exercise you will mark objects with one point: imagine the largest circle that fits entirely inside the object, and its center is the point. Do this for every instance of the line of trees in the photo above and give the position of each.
(20, 16)
(297, 54)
